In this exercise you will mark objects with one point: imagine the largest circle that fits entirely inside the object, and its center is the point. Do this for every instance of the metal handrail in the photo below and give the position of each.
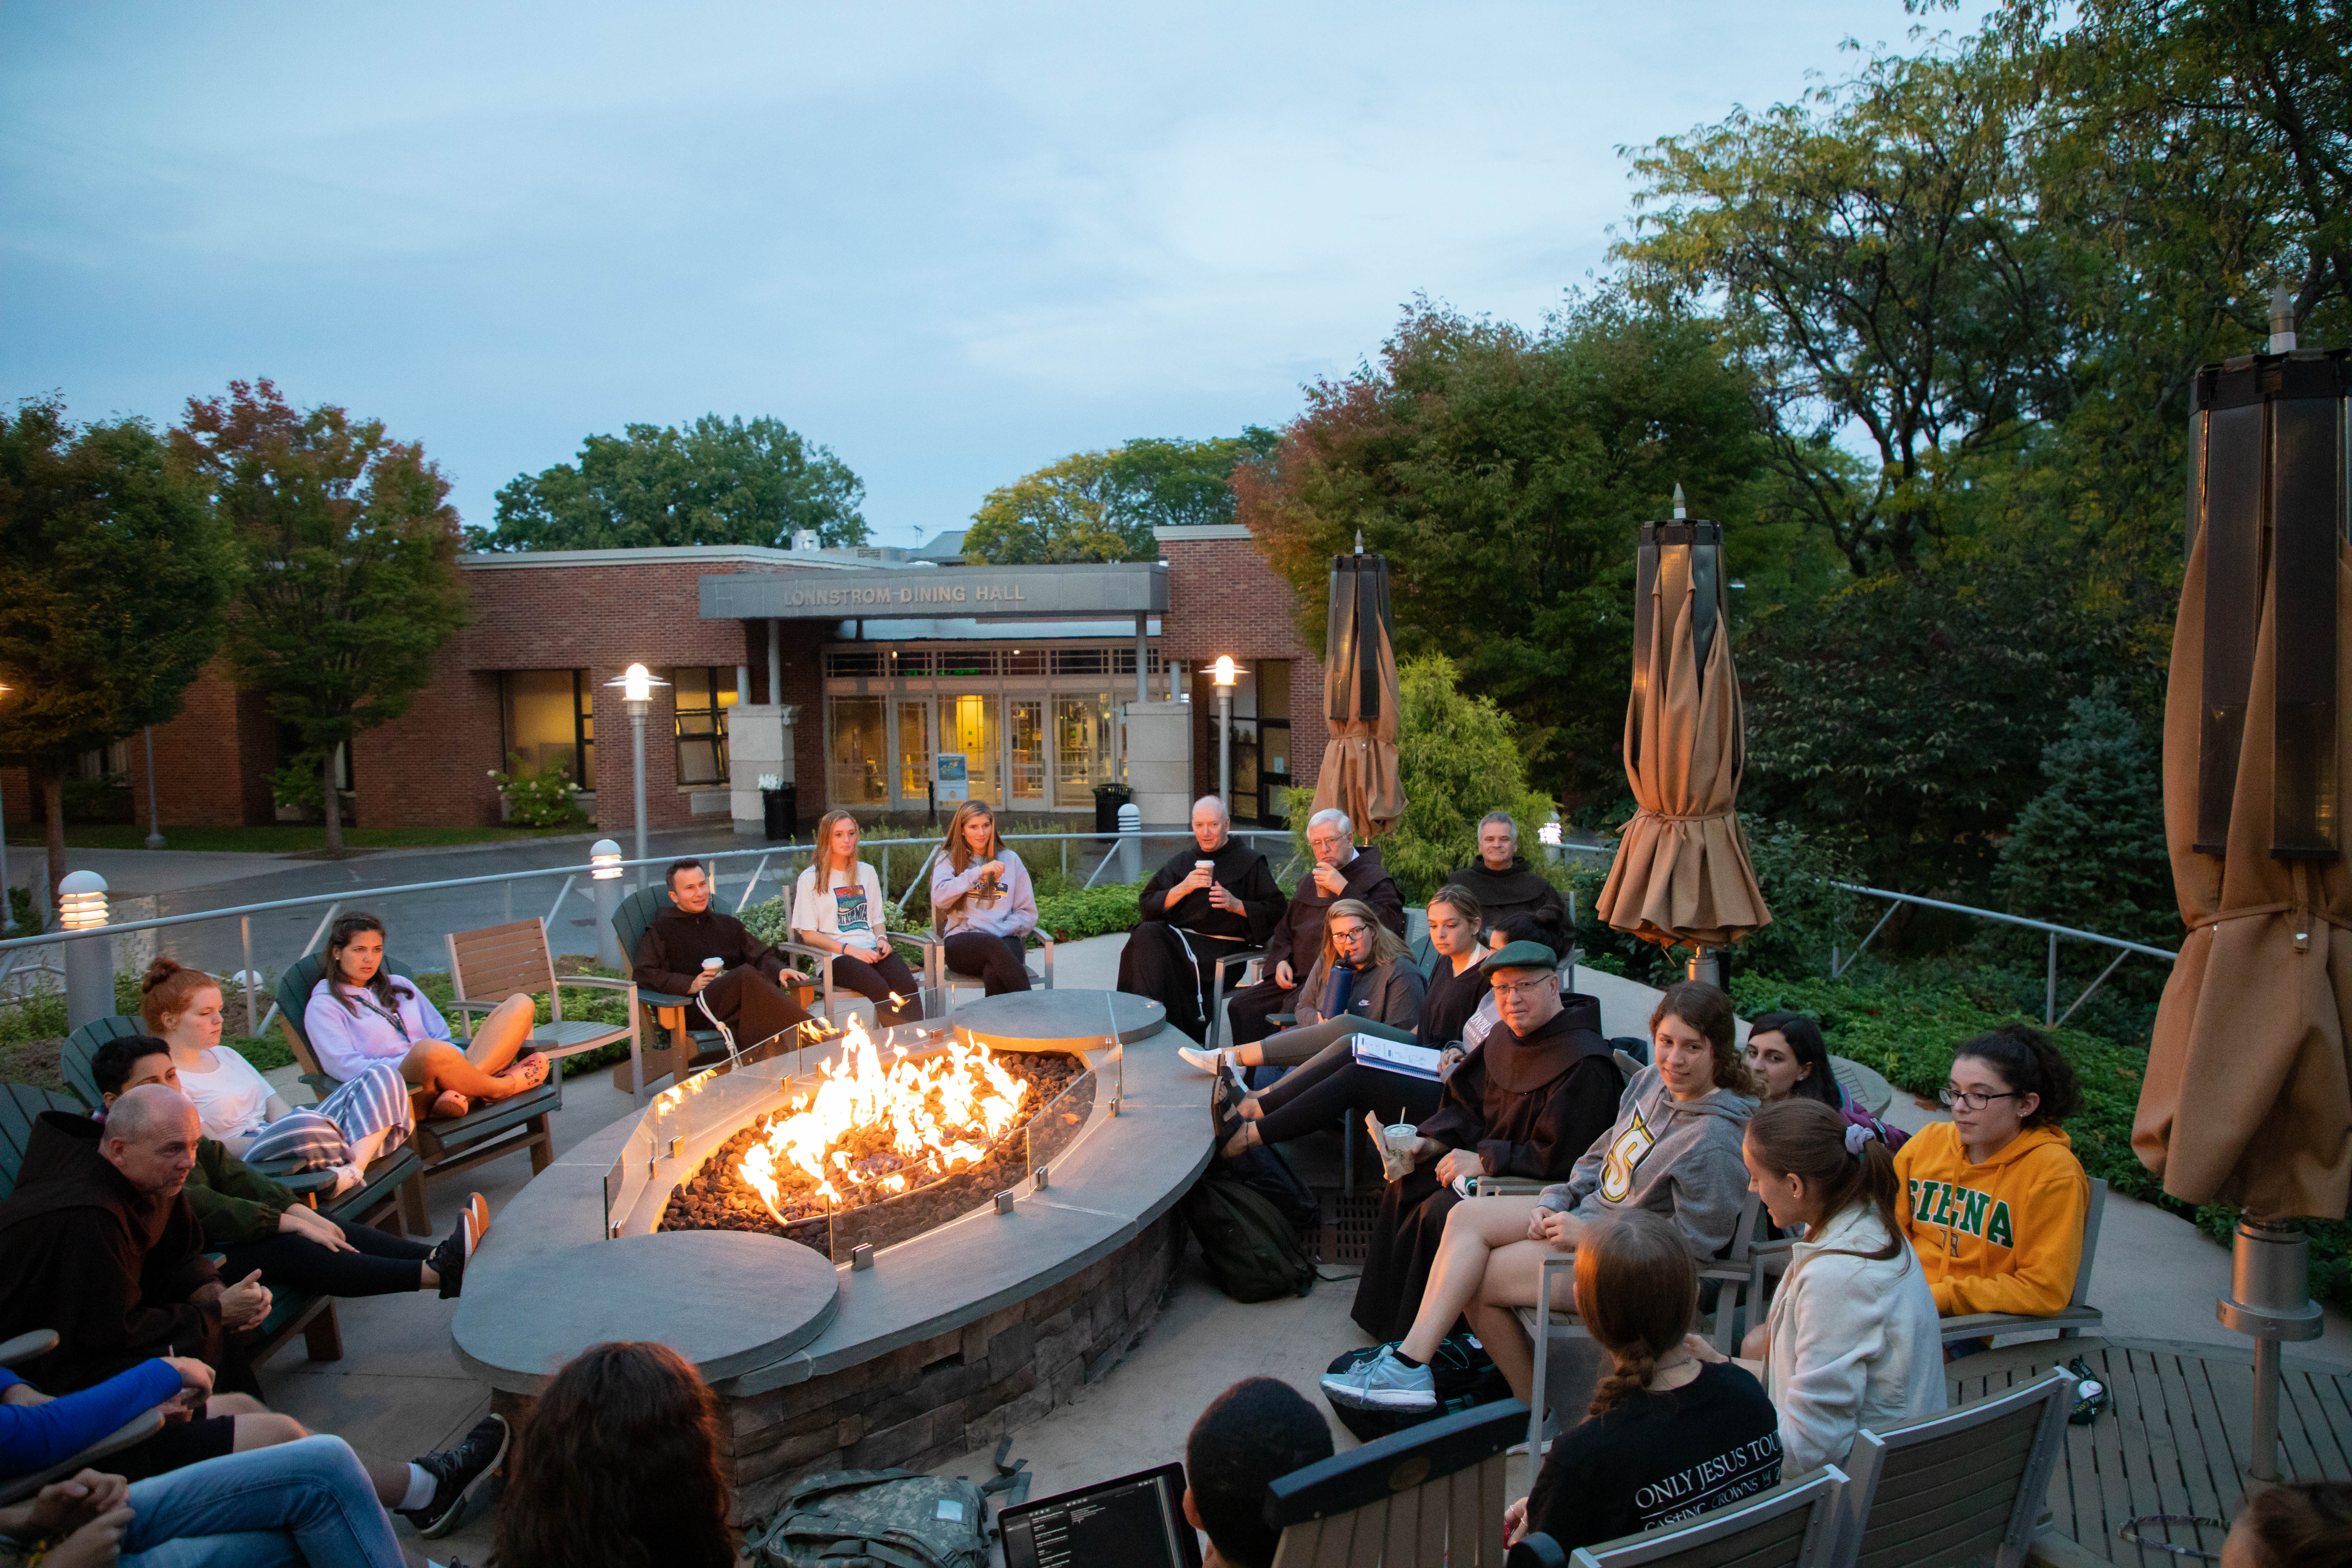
(2050, 1013)
(347, 895)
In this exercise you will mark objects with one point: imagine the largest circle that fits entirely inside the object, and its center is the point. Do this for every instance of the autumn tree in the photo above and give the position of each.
(350, 583)
(113, 571)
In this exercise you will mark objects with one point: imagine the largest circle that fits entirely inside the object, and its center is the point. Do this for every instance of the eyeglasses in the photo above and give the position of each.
(1968, 1099)
(1347, 933)
(1525, 988)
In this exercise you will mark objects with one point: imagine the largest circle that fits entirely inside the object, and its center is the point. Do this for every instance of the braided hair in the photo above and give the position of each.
(1636, 1288)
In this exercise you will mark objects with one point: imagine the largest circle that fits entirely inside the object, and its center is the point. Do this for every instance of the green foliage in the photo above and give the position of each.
(1460, 759)
(1903, 717)
(351, 584)
(1099, 911)
(1102, 506)
(2089, 850)
(114, 571)
(300, 785)
(1907, 1032)
(540, 799)
(1796, 871)
(718, 481)
(1504, 473)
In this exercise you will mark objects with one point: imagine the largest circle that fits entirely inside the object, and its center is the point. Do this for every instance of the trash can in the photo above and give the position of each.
(1108, 798)
(782, 807)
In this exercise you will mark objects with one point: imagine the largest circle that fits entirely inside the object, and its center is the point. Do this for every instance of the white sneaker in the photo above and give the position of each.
(1204, 1061)
(1383, 1382)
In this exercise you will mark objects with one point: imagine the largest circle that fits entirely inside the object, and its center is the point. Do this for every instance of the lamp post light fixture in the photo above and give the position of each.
(90, 958)
(1223, 674)
(636, 684)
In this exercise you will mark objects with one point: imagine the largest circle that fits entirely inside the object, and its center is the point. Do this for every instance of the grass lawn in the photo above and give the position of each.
(277, 838)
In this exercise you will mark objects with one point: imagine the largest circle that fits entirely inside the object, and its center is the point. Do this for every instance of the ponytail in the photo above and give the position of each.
(1636, 1288)
(2029, 1064)
(1844, 1162)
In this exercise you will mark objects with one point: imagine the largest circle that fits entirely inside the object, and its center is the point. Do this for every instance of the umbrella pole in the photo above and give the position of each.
(1705, 965)
(2269, 1299)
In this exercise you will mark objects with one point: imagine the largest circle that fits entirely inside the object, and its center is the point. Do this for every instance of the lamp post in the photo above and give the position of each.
(1223, 674)
(155, 807)
(636, 684)
(90, 960)
(605, 877)
(7, 900)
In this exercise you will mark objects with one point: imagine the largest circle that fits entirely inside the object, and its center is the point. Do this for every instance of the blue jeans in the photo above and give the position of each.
(299, 1503)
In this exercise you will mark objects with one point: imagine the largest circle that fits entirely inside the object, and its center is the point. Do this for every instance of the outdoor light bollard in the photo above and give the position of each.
(2269, 1299)
(89, 959)
(604, 879)
(1130, 842)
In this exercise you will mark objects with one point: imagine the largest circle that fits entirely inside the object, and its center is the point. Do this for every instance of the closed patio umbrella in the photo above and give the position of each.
(1361, 697)
(1682, 876)
(2248, 1096)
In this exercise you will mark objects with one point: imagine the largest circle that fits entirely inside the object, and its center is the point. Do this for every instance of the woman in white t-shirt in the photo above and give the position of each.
(369, 1116)
(837, 908)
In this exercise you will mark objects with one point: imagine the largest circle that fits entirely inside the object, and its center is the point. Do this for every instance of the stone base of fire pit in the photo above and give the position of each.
(951, 1339)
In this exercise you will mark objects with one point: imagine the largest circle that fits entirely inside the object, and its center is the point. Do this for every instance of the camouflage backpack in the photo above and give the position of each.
(875, 1519)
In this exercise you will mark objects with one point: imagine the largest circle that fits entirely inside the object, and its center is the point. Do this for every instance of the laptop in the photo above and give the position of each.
(1135, 1522)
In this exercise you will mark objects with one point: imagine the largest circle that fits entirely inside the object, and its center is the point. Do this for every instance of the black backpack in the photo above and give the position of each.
(1251, 1250)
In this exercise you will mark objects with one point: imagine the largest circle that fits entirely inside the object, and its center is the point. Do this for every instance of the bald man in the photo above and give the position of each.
(102, 1247)
(1216, 897)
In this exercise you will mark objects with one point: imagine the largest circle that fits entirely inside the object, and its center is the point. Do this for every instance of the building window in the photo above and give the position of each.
(855, 750)
(1025, 721)
(1082, 750)
(548, 718)
(1274, 738)
(703, 695)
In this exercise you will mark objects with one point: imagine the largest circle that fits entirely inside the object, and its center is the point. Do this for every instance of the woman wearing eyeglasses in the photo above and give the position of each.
(1994, 1199)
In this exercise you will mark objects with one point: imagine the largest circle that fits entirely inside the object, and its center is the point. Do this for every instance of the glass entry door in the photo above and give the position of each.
(914, 754)
(968, 725)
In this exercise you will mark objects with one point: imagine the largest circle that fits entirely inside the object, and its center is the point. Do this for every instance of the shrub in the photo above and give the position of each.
(540, 799)
(1797, 873)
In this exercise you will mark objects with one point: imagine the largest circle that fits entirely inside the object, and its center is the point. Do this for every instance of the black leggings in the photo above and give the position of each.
(384, 1264)
(877, 981)
(1311, 1097)
(997, 960)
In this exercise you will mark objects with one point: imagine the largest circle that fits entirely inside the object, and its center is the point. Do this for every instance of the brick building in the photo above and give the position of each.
(1025, 682)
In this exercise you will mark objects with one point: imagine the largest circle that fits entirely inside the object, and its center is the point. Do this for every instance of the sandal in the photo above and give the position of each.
(450, 1105)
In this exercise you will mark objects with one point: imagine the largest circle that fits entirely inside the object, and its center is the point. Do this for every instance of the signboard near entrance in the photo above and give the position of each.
(954, 783)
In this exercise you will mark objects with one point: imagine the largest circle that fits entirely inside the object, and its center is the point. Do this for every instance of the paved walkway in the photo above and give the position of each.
(399, 1391)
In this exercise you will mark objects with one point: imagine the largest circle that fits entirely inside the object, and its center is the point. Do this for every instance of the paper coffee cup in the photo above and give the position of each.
(1401, 1137)
(1204, 865)
(714, 964)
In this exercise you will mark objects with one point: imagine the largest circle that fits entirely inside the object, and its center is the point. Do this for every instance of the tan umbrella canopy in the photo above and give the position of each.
(2248, 1098)
(1682, 876)
(1360, 698)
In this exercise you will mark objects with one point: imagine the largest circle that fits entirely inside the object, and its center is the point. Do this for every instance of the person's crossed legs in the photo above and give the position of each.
(434, 1068)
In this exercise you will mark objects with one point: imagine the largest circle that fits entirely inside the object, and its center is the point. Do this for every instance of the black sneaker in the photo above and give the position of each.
(459, 1473)
(449, 1259)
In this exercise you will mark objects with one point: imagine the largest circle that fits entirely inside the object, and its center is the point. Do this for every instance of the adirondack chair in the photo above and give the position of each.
(502, 1127)
(393, 1198)
(673, 1015)
(1956, 1488)
(138, 1430)
(290, 1311)
(938, 976)
(1794, 1525)
(490, 965)
(1429, 1495)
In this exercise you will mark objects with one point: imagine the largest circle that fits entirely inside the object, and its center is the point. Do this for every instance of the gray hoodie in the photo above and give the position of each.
(1677, 1158)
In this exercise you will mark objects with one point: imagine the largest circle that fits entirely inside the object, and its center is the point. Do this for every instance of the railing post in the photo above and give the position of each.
(244, 926)
(2049, 1005)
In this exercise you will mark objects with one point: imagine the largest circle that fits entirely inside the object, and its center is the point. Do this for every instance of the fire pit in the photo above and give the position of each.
(873, 1153)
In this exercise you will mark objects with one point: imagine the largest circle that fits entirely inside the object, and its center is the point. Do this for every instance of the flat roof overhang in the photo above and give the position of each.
(1004, 593)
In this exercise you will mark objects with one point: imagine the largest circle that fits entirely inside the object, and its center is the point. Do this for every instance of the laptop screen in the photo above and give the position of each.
(1135, 1522)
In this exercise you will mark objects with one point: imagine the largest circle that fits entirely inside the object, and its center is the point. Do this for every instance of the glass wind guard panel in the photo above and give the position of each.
(1060, 1124)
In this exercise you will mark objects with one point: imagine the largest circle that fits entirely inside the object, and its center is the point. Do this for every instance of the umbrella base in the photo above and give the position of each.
(2269, 1281)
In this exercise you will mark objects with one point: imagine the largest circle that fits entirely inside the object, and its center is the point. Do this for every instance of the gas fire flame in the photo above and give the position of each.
(939, 1115)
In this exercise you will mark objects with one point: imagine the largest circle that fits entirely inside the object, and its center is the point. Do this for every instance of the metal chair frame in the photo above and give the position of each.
(520, 961)
(1944, 1508)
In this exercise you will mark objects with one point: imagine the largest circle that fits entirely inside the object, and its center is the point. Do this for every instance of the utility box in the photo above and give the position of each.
(758, 758)
(1160, 762)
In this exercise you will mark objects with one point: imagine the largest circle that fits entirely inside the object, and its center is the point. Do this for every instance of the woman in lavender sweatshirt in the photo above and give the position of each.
(981, 901)
(361, 1012)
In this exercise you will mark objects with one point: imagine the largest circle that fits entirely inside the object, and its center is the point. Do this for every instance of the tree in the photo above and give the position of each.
(351, 578)
(114, 571)
(1460, 758)
(2089, 850)
(1873, 250)
(719, 481)
(1102, 506)
(1505, 473)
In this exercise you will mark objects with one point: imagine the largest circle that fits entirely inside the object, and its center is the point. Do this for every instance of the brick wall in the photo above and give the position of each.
(1224, 598)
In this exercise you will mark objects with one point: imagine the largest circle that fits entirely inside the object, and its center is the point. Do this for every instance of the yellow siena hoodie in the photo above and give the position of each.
(2002, 1236)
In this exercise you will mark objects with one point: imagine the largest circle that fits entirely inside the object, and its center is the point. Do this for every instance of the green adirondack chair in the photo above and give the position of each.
(392, 1199)
(291, 1312)
(501, 1127)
